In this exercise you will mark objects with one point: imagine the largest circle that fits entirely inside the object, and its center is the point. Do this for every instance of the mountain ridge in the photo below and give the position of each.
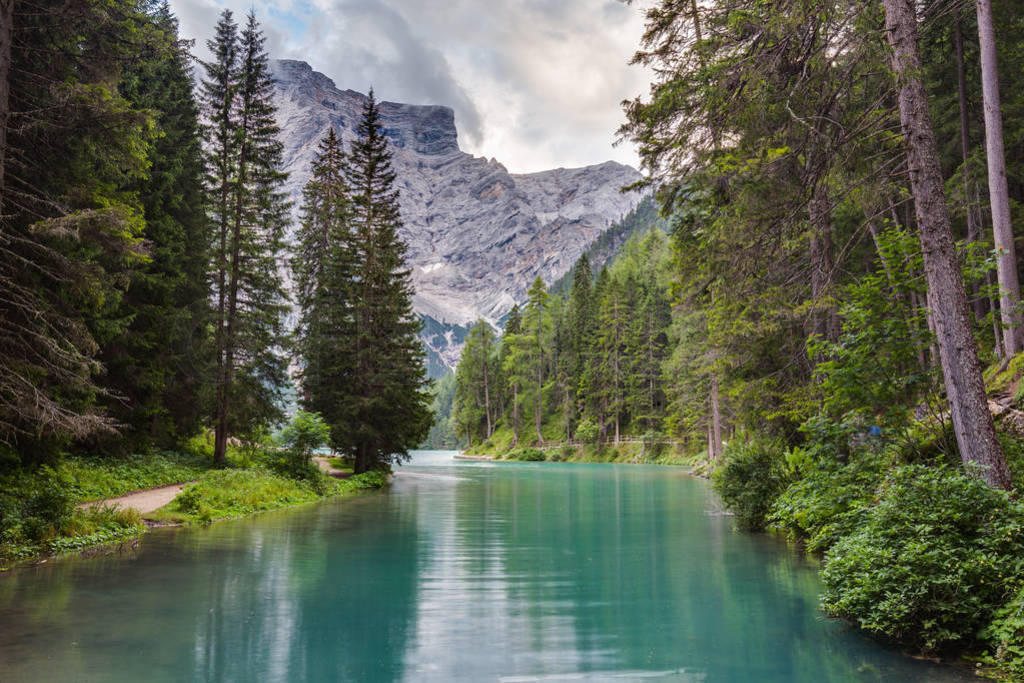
(477, 235)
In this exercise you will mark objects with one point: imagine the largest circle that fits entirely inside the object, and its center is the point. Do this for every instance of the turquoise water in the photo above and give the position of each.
(462, 572)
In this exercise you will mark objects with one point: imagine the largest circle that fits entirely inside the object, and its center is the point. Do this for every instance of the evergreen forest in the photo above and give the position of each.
(144, 251)
(824, 320)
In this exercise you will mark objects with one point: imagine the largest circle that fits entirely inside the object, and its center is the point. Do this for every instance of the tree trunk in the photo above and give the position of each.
(716, 421)
(487, 397)
(361, 463)
(6, 35)
(515, 414)
(825, 321)
(973, 228)
(1002, 227)
(961, 369)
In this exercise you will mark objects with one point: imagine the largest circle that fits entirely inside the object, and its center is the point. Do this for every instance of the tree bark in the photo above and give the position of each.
(1002, 227)
(487, 395)
(825, 319)
(716, 421)
(961, 369)
(6, 35)
(973, 227)
(515, 414)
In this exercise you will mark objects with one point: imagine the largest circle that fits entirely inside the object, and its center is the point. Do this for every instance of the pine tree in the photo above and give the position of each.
(390, 401)
(71, 149)
(536, 328)
(513, 344)
(157, 366)
(250, 212)
(324, 267)
(475, 383)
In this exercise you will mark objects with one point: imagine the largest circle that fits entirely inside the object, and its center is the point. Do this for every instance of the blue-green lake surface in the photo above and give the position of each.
(462, 571)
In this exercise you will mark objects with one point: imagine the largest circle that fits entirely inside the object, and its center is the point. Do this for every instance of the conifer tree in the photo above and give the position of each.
(512, 368)
(158, 365)
(390, 401)
(250, 212)
(475, 382)
(70, 149)
(324, 267)
(536, 327)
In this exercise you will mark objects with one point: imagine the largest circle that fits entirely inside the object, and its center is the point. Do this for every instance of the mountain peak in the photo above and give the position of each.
(477, 235)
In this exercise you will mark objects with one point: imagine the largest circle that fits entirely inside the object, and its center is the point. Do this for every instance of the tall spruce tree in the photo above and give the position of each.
(536, 328)
(475, 386)
(389, 391)
(70, 150)
(324, 267)
(250, 212)
(158, 365)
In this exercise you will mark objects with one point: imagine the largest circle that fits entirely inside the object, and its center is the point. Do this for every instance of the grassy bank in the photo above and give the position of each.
(39, 513)
(631, 449)
(38, 510)
(225, 494)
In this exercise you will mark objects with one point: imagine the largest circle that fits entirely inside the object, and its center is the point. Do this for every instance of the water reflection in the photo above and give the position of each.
(472, 572)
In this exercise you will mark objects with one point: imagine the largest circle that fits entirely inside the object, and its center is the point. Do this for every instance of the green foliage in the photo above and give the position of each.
(443, 434)
(526, 455)
(232, 493)
(587, 431)
(305, 433)
(1005, 637)
(38, 516)
(92, 477)
(875, 370)
(931, 561)
(475, 408)
(386, 399)
(750, 479)
(829, 499)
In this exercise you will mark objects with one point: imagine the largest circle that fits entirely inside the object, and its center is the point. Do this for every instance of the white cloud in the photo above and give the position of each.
(535, 84)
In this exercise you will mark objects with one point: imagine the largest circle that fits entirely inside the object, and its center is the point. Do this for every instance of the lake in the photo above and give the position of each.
(462, 571)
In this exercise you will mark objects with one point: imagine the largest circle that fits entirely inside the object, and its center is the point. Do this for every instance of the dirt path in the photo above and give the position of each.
(324, 465)
(143, 501)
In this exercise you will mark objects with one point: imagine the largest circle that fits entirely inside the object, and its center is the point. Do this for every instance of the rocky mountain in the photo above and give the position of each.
(477, 234)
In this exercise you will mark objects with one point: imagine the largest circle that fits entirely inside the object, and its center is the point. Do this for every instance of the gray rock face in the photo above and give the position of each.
(477, 234)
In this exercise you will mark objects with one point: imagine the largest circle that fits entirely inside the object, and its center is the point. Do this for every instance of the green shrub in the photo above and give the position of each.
(750, 479)
(300, 438)
(830, 499)
(527, 454)
(587, 431)
(1005, 636)
(230, 493)
(930, 562)
(374, 479)
(654, 444)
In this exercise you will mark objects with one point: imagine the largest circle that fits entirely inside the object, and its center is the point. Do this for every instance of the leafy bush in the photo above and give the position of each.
(930, 562)
(750, 480)
(1005, 636)
(230, 493)
(35, 508)
(654, 444)
(587, 431)
(830, 499)
(300, 438)
(527, 454)
(304, 434)
(374, 479)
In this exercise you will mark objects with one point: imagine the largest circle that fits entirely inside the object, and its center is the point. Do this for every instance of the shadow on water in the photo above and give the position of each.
(462, 572)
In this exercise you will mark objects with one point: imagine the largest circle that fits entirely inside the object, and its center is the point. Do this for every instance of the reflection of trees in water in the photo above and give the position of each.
(301, 601)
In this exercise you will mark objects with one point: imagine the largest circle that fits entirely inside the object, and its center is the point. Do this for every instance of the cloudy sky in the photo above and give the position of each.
(536, 84)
